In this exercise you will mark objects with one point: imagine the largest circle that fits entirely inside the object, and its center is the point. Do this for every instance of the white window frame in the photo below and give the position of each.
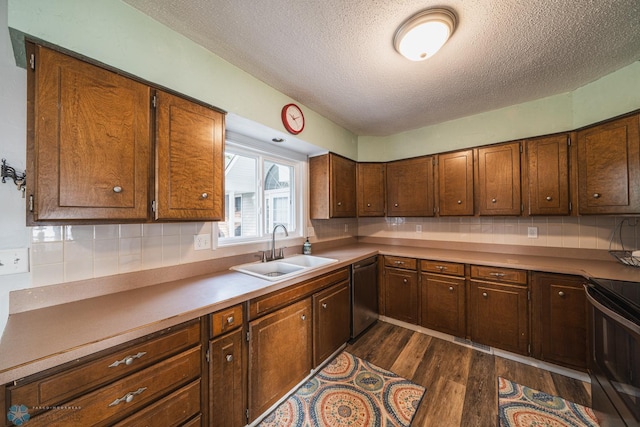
(247, 146)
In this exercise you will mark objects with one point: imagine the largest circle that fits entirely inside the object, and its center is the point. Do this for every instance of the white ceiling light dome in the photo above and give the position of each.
(422, 35)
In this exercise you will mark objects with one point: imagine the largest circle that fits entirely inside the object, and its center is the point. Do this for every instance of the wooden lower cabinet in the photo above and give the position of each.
(559, 319)
(132, 385)
(331, 327)
(227, 403)
(400, 288)
(279, 354)
(499, 315)
(443, 303)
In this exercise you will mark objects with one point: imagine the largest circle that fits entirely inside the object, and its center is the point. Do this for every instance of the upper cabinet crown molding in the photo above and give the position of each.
(92, 155)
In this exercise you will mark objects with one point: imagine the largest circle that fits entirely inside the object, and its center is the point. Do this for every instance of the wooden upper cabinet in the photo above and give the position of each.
(545, 175)
(88, 141)
(410, 187)
(609, 168)
(332, 184)
(498, 179)
(455, 183)
(371, 189)
(190, 156)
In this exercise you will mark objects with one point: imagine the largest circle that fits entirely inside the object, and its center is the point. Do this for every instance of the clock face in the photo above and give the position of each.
(292, 118)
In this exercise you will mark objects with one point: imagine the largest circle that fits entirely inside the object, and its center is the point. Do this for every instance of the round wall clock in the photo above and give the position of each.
(292, 118)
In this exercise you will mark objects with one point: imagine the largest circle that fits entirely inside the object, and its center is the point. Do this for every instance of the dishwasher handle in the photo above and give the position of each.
(364, 263)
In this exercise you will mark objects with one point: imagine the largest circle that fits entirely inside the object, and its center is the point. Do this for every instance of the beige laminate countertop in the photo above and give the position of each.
(43, 338)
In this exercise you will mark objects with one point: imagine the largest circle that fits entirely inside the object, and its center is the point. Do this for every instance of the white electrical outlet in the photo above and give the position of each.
(418, 229)
(532, 232)
(14, 261)
(201, 241)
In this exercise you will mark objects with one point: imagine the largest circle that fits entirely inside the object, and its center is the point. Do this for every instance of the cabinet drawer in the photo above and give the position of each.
(499, 274)
(226, 320)
(400, 262)
(277, 299)
(124, 396)
(75, 381)
(449, 268)
(172, 410)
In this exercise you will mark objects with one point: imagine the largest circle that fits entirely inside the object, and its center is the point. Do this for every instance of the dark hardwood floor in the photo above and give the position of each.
(461, 382)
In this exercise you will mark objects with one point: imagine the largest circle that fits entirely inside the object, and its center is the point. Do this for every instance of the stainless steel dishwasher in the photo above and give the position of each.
(364, 295)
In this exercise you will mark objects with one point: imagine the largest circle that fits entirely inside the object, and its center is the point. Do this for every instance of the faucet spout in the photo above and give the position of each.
(273, 241)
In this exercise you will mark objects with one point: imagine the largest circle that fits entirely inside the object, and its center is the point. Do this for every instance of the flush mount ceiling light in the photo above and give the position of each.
(422, 35)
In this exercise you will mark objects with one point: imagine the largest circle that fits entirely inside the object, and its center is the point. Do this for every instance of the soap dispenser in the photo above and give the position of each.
(306, 248)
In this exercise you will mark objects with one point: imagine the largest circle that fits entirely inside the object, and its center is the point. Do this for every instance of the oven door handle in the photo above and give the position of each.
(612, 314)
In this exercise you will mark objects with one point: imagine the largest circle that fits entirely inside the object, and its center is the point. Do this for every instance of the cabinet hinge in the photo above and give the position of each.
(529, 349)
(32, 61)
(570, 207)
(246, 413)
(248, 336)
(521, 147)
(154, 101)
(521, 207)
(153, 206)
(208, 356)
(30, 202)
(528, 295)
(569, 140)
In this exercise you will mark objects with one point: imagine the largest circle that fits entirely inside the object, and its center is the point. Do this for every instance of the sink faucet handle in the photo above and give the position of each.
(262, 255)
(281, 252)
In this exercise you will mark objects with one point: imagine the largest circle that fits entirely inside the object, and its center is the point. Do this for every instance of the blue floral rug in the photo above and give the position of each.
(520, 406)
(351, 392)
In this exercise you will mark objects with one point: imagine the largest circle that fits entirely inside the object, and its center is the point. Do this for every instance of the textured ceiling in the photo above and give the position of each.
(337, 58)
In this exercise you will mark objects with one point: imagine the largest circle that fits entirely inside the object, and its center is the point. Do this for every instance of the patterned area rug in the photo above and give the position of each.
(351, 392)
(520, 406)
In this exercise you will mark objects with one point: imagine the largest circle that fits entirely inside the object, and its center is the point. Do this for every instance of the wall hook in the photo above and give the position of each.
(19, 179)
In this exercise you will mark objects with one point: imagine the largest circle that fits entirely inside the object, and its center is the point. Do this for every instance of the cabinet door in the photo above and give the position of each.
(332, 185)
(90, 146)
(331, 310)
(547, 175)
(443, 304)
(410, 187)
(455, 183)
(279, 354)
(499, 317)
(498, 183)
(371, 189)
(190, 156)
(609, 168)
(226, 381)
(559, 329)
(401, 294)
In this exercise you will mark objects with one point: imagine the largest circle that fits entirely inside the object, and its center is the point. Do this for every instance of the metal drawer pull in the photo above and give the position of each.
(493, 200)
(496, 274)
(561, 293)
(205, 195)
(399, 262)
(303, 317)
(459, 202)
(548, 198)
(117, 189)
(368, 205)
(450, 288)
(596, 195)
(484, 294)
(230, 320)
(128, 397)
(128, 360)
(441, 267)
(404, 280)
(229, 357)
(339, 203)
(324, 305)
(395, 205)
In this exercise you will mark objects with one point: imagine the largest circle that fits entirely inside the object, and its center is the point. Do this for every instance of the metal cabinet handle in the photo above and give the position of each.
(561, 293)
(303, 317)
(117, 189)
(493, 200)
(404, 280)
(127, 397)
(548, 198)
(484, 294)
(441, 267)
(459, 202)
(450, 288)
(229, 357)
(596, 195)
(204, 195)
(127, 360)
(496, 274)
(398, 262)
(395, 205)
(230, 320)
(368, 205)
(339, 203)
(324, 305)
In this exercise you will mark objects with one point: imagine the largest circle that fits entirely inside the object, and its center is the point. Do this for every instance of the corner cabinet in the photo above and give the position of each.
(332, 185)
(498, 179)
(371, 179)
(609, 167)
(91, 152)
(410, 187)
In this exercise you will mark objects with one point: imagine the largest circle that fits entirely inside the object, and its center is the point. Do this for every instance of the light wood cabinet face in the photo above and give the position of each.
(332, 183)
(189, 167)
(455, 183)
(331, 311)
(499, 316)
(279, 354)
(371, 189)
(410, 187)
(547, 175)
(226, 383)
(609, 168)
(498, 183)
(90, 147)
